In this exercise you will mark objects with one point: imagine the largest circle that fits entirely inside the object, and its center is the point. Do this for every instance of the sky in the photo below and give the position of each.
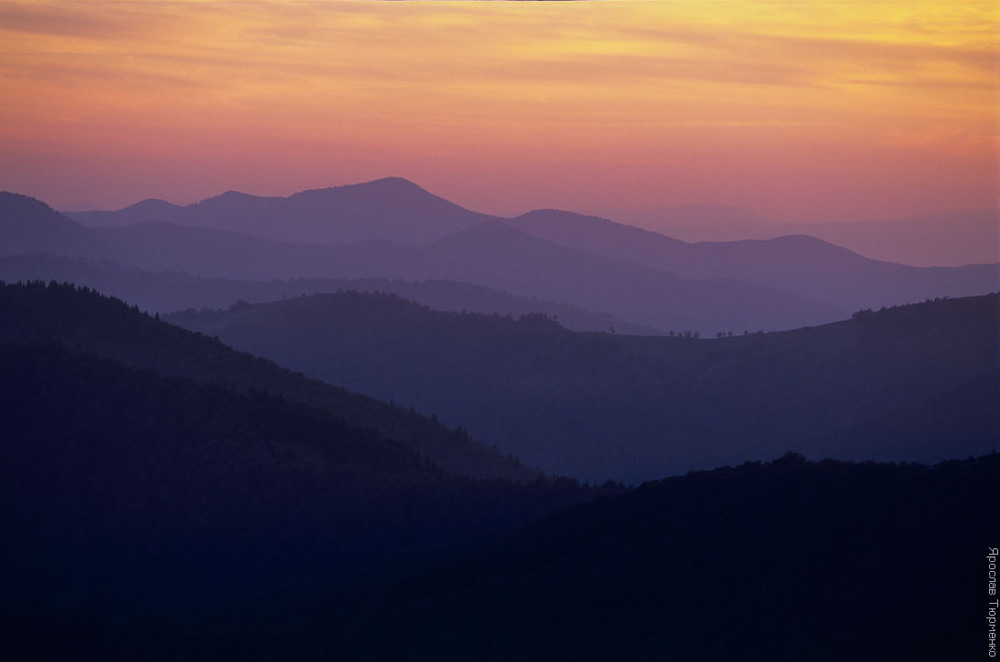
(801, 111)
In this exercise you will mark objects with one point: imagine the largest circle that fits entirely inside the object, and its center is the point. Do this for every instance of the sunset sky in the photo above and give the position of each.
(797, 110)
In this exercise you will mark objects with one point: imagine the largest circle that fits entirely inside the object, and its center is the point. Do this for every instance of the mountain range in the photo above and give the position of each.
(397, 210)
(943, 239)
(107, 328)
(391, 209)
(170, 291)
(362, 434)
(641, 278)
(914, 383)
(802, 265)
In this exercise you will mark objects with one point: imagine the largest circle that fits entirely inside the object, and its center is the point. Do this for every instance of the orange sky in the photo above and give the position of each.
(799, 110)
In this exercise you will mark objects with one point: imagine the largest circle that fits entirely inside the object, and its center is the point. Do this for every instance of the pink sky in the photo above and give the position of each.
(800, 111)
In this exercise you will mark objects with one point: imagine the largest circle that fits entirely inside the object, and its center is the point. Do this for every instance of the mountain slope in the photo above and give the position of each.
(955, 238)
(389, 209)
(163, 246)
(823, 551)
(495, 255)
(492, 255)
(633, 408)
(498, 255)
(108, 328)
(802, 265)
(693, 223)
(165, 292)
(28, 225)
(658, 569)
(126, 493)
(943, 239)
(588, 262)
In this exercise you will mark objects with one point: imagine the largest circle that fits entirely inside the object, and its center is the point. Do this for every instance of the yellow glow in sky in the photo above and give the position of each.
(809, 111)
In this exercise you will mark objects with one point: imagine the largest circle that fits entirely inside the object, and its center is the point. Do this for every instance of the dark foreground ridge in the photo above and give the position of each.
(783, 561)
(125, 492)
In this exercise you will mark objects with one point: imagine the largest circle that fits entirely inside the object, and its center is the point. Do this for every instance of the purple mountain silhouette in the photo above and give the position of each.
(636, 275)
(391, 209)
(501, 256)
(28, 225)
(803, 265)
(951, 238)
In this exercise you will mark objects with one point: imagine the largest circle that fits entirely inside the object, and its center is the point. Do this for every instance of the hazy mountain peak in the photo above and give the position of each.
(151, 205)
(398, 182)
(18, 203)
(31, 225)
(230, 197)
(582, 231)
(384, 191)
(550, 211)
(391, 208)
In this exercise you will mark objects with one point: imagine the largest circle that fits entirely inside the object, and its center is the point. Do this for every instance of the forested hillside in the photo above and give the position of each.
(787, 561)
(123, 492)
(916, 383)
(106, 327)
(783, 561)
(172, 291)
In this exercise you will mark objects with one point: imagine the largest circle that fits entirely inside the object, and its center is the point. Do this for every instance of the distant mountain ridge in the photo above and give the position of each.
(942, 239)
(913, 383)
(168, 291)
(28, 225)
(347, 214)
(803, 265)
(530, 267)
(492, 254)
(392, 209)
(637, 276)
(500, 255)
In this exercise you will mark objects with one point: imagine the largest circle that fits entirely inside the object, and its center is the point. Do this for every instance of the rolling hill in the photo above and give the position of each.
(500, 256)
(169, 291)
(803, 265)
(944, 239)
(807, 267)
(130, 494)
(632, 408)
(108, 328)
(28, 225)
(492, 255)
